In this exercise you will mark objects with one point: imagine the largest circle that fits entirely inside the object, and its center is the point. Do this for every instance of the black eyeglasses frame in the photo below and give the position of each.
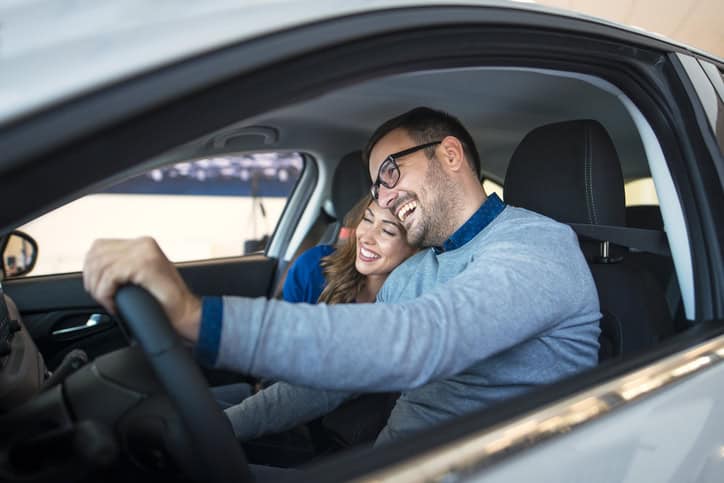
(392, 159)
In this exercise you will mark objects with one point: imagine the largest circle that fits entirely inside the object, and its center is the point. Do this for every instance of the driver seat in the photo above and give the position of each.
(570, 172)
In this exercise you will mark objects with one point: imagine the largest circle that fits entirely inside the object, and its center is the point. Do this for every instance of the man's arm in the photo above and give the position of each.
(109, 264)
(501, 301)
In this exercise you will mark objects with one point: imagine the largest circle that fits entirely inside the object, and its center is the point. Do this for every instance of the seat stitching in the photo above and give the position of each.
(587, 174)
(589, 153)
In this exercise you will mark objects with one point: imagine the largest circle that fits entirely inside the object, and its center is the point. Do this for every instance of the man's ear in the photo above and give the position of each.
(453, 154)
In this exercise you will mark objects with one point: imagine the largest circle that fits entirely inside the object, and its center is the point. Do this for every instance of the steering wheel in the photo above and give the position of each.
(210, 430)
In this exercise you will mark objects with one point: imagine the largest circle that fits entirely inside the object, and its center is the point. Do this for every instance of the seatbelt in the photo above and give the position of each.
(652, 241)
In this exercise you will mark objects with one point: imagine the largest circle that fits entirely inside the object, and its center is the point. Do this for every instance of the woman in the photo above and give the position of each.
(356, 270)
(353, 272)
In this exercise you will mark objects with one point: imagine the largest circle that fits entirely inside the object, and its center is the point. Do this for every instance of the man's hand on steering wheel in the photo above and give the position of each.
(166, 306)
(111, 264)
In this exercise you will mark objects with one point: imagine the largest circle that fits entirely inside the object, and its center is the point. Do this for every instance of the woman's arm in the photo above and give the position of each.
(305, 279)
(280, 407)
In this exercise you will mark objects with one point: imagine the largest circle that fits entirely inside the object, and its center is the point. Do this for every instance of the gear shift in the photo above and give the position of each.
(72, 361)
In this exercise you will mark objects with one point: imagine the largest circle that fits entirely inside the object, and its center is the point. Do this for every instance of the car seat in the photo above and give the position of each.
(662, 267)
(570, 172)
(351, 181)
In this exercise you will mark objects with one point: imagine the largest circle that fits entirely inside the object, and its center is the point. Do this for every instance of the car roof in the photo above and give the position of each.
(498, 105)
(49, 52)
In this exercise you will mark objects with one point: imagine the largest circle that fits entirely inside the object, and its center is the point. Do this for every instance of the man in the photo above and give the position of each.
(501, 301)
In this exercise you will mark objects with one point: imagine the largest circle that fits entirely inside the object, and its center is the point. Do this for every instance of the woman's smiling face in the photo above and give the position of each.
(381, 242)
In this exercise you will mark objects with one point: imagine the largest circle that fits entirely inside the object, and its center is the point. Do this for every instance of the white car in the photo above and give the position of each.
(570, 115)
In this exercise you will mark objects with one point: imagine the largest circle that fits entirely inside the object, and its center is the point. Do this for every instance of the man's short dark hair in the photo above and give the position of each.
(426, 125)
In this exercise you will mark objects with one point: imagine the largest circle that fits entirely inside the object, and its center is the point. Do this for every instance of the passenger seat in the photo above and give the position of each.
(662, 267)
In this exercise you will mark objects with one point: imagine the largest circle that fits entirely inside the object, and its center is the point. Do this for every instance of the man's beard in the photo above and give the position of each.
(438, 200)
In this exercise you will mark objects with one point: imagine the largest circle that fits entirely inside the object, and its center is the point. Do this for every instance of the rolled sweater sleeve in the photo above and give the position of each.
(280, 407)
(510, 293)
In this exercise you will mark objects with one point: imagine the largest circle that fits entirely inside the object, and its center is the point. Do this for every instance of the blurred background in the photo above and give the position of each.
(697, 23)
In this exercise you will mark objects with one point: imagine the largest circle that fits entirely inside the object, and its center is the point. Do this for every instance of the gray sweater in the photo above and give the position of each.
(512, 308)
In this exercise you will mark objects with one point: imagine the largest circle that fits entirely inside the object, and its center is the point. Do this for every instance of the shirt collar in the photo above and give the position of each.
(487, 212)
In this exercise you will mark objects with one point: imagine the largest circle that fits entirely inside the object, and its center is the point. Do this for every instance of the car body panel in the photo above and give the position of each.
(676, 434)
(143, 38)
(614, 431)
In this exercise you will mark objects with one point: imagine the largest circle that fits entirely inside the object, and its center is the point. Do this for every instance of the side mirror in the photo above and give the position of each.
(19, 253)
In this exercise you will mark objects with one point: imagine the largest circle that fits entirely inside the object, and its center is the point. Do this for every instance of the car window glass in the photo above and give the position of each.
(492, 187)
(641, 192)
(207, 208)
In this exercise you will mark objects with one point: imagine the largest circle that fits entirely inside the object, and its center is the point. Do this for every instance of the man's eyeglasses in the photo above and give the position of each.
(389, 173)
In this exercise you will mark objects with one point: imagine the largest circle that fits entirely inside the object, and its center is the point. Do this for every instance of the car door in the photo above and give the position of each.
(215, 217)
(61, 316)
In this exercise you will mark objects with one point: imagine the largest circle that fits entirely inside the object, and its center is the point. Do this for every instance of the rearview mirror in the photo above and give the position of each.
(19, 254)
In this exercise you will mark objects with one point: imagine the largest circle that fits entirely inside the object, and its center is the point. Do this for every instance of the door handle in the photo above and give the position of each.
(94, 322)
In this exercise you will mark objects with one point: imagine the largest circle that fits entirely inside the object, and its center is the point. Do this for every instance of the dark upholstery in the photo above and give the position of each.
(661, 267)
(649, 217)
(570, 171)
(644, 216)
(351, 181)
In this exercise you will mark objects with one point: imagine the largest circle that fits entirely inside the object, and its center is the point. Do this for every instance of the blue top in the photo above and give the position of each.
(305, 279)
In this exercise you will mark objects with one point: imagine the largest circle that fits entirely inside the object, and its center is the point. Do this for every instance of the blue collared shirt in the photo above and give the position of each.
(487, 212)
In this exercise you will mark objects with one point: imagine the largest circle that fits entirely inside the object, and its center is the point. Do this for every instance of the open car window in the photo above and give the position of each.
(641, 192)
(224, 206)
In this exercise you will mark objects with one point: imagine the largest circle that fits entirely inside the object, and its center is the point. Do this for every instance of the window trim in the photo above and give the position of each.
(296, 218)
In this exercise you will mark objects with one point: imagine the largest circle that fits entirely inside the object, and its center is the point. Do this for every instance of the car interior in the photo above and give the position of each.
(532, 145)
(560, 143)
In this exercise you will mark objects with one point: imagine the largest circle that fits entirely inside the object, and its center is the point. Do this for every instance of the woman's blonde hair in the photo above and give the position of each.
(344, 282)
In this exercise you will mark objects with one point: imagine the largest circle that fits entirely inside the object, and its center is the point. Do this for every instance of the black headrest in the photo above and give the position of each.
(350, 183)
(570, 172)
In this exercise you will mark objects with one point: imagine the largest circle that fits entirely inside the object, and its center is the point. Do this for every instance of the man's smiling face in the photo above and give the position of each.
(416, 200)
